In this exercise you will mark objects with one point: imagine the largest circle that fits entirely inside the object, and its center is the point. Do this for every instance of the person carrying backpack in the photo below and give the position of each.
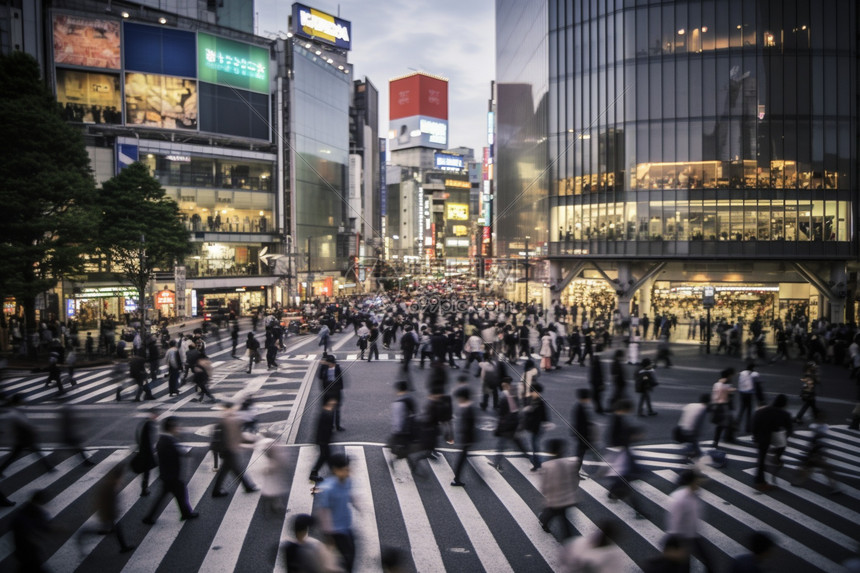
(645, 383)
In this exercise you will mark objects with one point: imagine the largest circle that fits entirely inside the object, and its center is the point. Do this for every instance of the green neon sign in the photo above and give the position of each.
(225, 62)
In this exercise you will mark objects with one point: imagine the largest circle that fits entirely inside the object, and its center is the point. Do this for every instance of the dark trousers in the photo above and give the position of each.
(345, 543)
(745, 411)
(271, 353)
(18, 450)
(230, 463)
(177, 489)
(808, 403)
(762, 447)
(502, 441)
(535, 441)
(550, 513)
(645, 399)
(461, 461)
(143, 387)
(325, 453)
(173, 380)
(486, 397)
(373, 351)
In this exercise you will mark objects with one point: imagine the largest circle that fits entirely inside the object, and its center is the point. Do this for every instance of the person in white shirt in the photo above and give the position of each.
(595, 552)
(721, 406)
(684, 515)
(747, 382)
(690, 424)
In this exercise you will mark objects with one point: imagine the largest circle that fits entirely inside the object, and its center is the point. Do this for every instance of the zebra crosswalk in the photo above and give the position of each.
(490, 524)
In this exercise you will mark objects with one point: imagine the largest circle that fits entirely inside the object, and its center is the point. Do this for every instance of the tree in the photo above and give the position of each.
(140, 230)
(46, 187)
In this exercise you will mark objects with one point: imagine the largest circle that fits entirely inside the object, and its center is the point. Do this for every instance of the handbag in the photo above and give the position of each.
(779, 439)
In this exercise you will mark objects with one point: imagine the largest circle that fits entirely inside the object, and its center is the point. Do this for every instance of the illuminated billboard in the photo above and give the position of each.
(418, 94)
(418, 131)
(160, 101)
(449, 161)
(89, 97)
(316, 25)
(89, 42)
(457, 211)
(236, 64)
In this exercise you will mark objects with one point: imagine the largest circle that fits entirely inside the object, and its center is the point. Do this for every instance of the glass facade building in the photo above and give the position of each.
(678, 129)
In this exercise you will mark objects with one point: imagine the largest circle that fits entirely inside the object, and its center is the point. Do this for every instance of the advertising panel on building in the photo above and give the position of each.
(449, 161)
(159, 50)
(418, 131)
(89, 97)
(236, 64)
(88, 42)
(160, 101)
(316, 25)
(418, 112)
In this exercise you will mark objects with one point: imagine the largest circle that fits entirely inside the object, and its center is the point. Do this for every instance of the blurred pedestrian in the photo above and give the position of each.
(202, 374)
(234, 339)
(625, 469)
(145, 460)
(815, 459)
(465, 430)
(71, 434)
(507, 424)
(325, 423)
(331, 377)
(303, 553)
(645, 384)
(334, 501)
(558, 484)
(582, 426)
(808, 390)
(170, 472)
(534, 417)
(771, 427)
(595, 380)
(690, 425)
(23, 434)
(619, 379)
(30, 528)
(748, 388)
(761, 547)
(106, 502)
(253, 348)
(675, 558)
(137, 371)
(231, 443)
(275, 478)
(594, 552)
(721, 407)
(684, 516)
(174, 367)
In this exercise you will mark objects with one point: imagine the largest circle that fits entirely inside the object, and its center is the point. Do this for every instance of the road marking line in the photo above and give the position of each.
(422, 542)
(366, 530)
(300, 501)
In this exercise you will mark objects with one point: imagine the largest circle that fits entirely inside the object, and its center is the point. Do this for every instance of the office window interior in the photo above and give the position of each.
(210, 172)
(224, 259)
(222, 211)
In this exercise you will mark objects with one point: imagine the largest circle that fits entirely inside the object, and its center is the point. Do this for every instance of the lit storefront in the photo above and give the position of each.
(88, 305)
(243, 301)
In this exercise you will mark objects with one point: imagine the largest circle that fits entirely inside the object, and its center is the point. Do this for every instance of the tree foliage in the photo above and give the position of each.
(134, 206)
(46, 187)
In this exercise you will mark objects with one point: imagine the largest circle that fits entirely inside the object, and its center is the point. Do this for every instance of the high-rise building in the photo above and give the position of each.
(250, 136)
(668, 146)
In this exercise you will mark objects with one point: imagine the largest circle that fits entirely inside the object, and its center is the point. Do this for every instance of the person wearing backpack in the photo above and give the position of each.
(645, 383)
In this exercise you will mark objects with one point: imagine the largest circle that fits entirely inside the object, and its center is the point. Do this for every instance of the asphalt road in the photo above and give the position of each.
(489, 525)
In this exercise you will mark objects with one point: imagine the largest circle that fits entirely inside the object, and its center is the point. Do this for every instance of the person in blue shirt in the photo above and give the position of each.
(335, 514)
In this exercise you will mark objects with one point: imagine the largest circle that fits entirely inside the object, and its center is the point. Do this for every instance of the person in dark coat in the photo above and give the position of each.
(29, 527)
(465, 430)
(137, 370)
(147, 438)
(619, 381)
(170, 472)
(508, 423)
(373, 343)
(534, 416)
(71, 433)
(766, 421)
(331, 378)
(253, 346)
(324, 433)
(595, 380)
(582, 424)
(106, 498)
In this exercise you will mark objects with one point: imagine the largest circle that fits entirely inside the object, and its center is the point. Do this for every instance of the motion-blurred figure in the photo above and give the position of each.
(24, 434)
(107, 509)
(29, 528)
(71, 434)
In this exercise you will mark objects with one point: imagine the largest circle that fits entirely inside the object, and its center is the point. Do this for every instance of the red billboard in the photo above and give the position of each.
(418, 94)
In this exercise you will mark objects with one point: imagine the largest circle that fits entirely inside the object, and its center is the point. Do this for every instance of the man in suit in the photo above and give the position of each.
(170, 471)
(324, 432)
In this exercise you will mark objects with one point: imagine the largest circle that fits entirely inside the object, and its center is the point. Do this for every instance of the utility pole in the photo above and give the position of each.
(310, 288)
(527, 270)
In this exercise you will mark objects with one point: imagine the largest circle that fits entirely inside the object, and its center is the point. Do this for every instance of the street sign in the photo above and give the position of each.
(708, 299)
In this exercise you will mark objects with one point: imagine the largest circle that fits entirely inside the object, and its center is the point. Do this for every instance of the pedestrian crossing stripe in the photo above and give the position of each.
(787, 516)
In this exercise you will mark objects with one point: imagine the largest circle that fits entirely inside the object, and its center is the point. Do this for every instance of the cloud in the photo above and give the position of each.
(451, 38)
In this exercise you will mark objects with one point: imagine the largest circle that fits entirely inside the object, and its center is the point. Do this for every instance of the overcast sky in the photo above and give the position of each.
(450, 38)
